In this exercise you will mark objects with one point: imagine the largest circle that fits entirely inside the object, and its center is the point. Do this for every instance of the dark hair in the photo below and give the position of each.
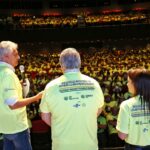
(141, 81)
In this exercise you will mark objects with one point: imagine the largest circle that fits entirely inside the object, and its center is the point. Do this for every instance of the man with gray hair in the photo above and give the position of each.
(71, 104)
(13, 116)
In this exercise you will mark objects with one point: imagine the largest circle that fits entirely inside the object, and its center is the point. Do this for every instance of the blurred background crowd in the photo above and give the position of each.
(112, 36)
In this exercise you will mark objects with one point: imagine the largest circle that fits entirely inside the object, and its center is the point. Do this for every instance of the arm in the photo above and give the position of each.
(100, 99)
(123, 121)
(26, 101)
(46, 117)
(122, 136)
(99, 111)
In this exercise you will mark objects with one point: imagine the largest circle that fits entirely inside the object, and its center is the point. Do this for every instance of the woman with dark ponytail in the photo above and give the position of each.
(133, 122)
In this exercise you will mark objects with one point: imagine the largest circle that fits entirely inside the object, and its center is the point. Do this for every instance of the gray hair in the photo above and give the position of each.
(70, 59)
(6, 47)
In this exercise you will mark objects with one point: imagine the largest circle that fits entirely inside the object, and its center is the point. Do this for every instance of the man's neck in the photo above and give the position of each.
(72, 70)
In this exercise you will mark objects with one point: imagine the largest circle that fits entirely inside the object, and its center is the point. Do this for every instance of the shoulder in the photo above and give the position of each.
(53, 83)
(7, 74)
(85, 77)
(5, 70)
(127, 103)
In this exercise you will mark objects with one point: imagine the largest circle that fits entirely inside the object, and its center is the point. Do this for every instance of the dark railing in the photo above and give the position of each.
(77, 34)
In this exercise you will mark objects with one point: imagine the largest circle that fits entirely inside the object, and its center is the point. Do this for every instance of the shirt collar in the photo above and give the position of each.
(8, 65)
(72, 70)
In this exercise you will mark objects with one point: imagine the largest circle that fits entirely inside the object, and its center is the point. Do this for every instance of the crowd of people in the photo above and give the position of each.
(50, 21)
(109, 69)
(89, 20)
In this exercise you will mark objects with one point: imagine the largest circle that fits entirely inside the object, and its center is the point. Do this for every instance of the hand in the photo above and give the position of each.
(39, 96)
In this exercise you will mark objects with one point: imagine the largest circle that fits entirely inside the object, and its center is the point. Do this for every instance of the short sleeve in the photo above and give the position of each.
(10, 89)
(44, 106)
(123, 119)
(11, 101)
(100, 96)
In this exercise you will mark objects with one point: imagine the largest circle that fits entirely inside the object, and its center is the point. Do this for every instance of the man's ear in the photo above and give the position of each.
(5, 57)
